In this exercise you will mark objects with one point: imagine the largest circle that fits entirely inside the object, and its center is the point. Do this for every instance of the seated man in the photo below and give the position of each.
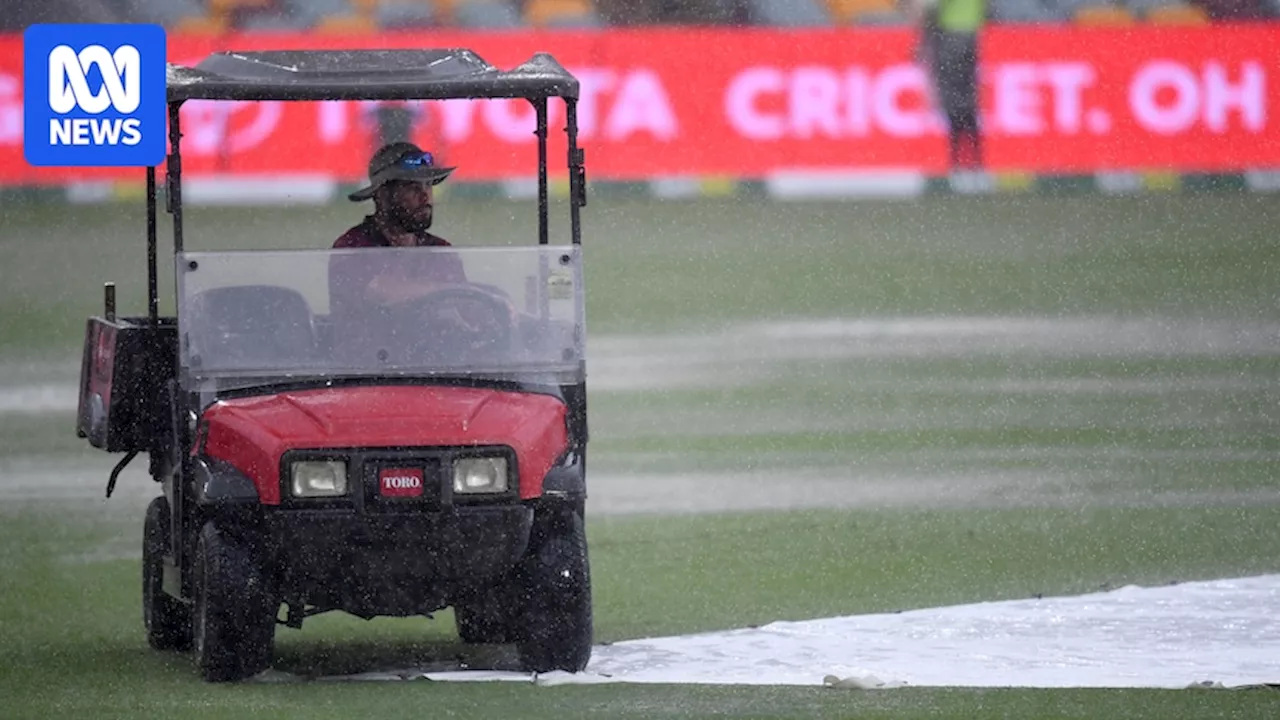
(401, 178)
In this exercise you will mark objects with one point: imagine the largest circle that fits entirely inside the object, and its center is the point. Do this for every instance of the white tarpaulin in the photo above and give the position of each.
(1224, 632)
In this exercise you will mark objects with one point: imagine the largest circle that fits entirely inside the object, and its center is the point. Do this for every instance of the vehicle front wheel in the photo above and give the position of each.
(555, 592)
(235, 611)
(167, 619)
(484, 618)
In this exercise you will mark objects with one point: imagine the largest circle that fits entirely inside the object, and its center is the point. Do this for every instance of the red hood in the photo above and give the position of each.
(253, 433)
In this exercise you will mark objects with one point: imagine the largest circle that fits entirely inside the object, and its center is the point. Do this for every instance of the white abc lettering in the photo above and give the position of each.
(69, 84)
(95, 131)
(402, 482)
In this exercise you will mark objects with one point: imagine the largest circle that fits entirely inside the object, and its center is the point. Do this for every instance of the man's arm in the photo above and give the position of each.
(357, 277)
(387, 289)
(361, 277)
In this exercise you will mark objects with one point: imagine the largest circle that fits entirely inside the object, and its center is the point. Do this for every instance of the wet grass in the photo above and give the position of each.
(1174, 424)
(698, 264)
(72, 641)
(1138, 427)
(656, 702)
(41, 434)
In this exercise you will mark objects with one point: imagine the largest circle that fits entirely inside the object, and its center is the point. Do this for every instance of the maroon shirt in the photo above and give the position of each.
(367, 234)
(441, 267)
(351, 274)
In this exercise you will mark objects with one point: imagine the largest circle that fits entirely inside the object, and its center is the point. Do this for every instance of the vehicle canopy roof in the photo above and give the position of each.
(431, 74)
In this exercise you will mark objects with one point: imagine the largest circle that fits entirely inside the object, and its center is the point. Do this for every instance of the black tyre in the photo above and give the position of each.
(485, 618)
(555, 591)
(234, 620)
(167, 619)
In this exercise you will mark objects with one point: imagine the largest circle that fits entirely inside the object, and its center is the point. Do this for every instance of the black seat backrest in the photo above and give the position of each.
(259, 325)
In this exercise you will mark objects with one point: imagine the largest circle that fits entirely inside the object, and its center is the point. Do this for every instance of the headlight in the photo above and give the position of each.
(319, 478)
(479, 475)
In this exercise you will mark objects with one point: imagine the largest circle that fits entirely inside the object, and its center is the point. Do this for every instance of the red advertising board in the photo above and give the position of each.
(747, 103)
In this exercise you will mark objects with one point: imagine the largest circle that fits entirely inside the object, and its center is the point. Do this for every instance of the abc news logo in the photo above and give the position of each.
(69, 90)
(97, 95)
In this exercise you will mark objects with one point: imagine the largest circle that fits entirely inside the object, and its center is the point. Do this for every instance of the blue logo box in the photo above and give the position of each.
(94, 95)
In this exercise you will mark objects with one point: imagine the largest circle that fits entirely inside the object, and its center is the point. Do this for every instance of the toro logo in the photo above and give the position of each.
(95, 95)
(401, 482)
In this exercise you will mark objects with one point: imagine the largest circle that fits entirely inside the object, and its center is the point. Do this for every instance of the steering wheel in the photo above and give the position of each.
(453, 325)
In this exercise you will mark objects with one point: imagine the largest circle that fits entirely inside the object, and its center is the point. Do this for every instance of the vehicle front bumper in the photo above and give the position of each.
(394, 565)
(372, 554)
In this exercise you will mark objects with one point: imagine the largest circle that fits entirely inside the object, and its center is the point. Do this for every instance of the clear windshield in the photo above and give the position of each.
(491, 313)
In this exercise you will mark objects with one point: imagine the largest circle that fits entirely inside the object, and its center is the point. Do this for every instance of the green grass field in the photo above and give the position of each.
(694, 265)
(1136, 446)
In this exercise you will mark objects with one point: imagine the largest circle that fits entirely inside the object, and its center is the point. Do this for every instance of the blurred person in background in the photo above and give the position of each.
(947, 46)
(393, 120)
(398, 121)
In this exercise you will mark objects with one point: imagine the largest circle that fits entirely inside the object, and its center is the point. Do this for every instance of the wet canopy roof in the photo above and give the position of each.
(365, 74)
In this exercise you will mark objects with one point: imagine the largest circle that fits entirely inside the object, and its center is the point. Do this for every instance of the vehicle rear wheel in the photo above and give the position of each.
(167, 619)
(555, 589)
(235, 611)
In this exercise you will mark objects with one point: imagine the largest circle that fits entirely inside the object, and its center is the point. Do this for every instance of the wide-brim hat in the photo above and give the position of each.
(401, 161)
